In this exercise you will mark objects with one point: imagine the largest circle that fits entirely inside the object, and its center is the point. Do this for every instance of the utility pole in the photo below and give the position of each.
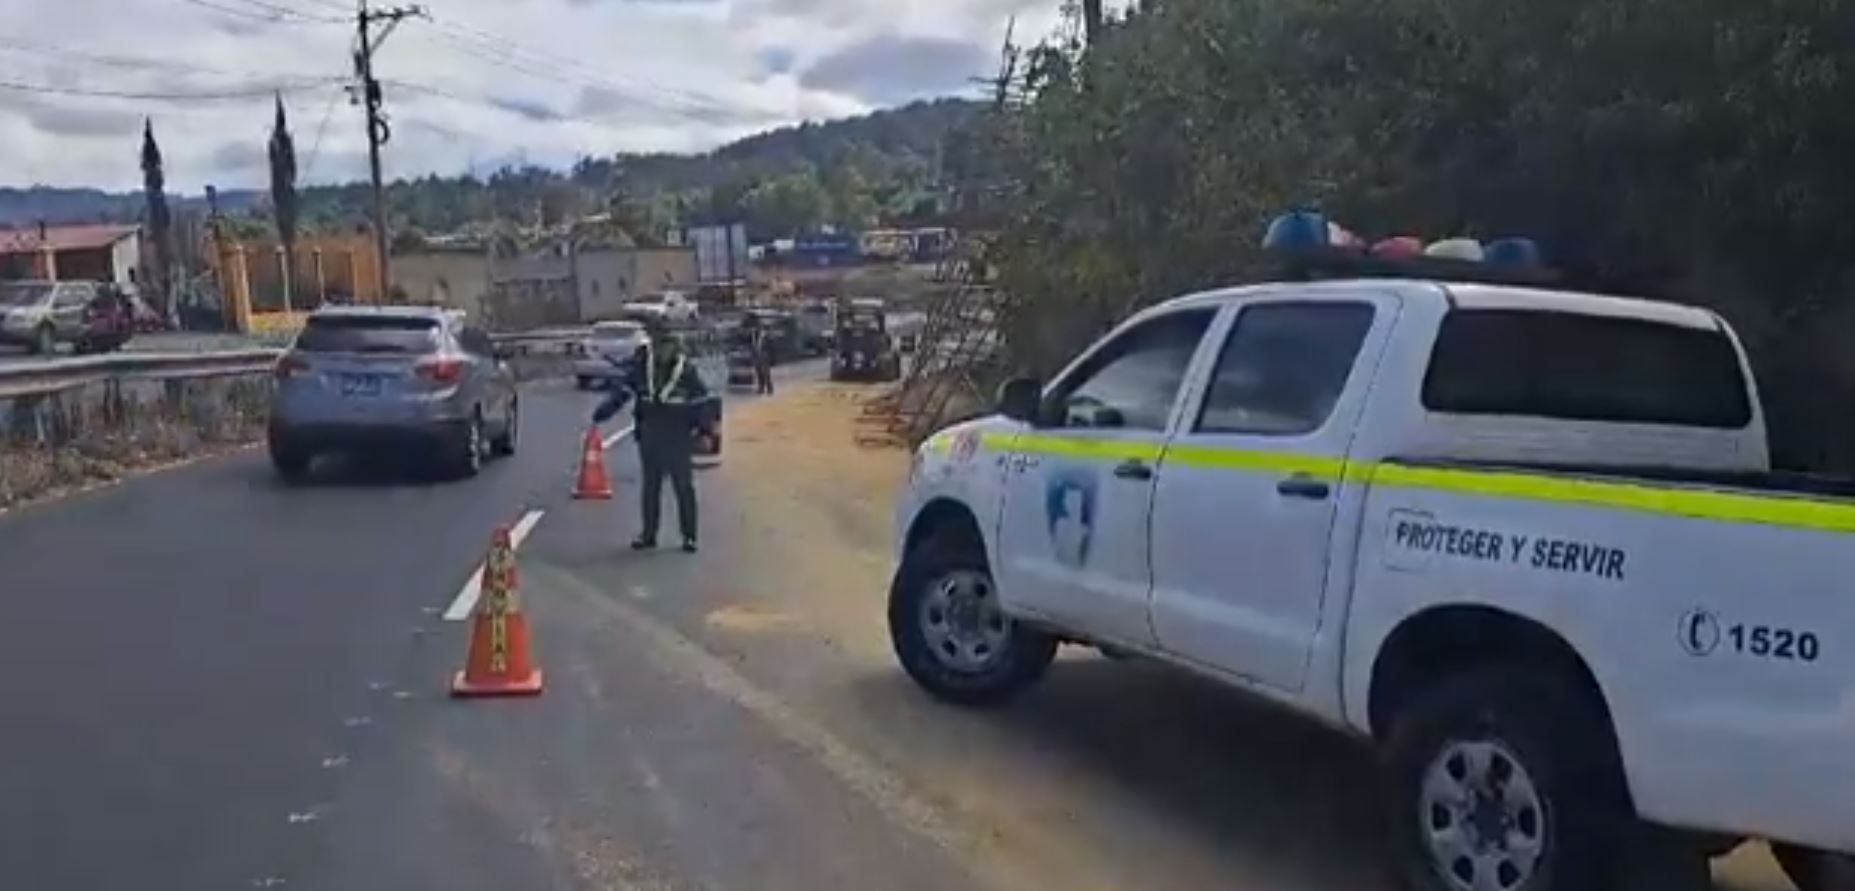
(378, 131)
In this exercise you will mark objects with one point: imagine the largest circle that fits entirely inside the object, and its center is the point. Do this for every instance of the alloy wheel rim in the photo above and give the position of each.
(1483, 818)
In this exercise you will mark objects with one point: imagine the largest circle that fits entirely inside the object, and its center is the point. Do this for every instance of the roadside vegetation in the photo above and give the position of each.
(1695, 150)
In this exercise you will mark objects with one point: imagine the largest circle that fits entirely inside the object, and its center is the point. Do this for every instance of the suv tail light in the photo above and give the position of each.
(440, 371)
(291, 366)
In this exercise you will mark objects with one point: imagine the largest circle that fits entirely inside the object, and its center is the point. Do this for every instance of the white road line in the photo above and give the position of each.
(467, 598)
(613, 440)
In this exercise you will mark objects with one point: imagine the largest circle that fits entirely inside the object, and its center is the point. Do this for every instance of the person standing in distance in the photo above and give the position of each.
(763, 360)
(669, 406)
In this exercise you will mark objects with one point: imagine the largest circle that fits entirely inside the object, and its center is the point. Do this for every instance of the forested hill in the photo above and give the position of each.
(851, 172)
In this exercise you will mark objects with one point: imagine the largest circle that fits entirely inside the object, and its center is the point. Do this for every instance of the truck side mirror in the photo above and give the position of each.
(1021, 399)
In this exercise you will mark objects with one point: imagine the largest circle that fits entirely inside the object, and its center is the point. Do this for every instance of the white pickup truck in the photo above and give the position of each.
(669, 307)
(1527, 541)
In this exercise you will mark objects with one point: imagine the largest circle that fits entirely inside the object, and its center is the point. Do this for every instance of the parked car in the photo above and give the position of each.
(41, 315)
(815, 321)
(1525, 542)
(359, 379)
(609, 345)
(862, 348)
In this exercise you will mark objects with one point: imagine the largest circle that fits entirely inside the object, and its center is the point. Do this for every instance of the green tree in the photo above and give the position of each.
(283, 196)
(160, 220)
(788, 205)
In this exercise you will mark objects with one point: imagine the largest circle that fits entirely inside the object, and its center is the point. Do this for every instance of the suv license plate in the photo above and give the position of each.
(360, 385)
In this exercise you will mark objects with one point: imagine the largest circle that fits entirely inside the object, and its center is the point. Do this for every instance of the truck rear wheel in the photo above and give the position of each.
(1814, 870)
(950, 633)
(1505, 779)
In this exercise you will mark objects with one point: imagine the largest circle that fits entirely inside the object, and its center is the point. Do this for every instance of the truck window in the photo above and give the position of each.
(1283, 367)
(1585, 368)
(1131, 382)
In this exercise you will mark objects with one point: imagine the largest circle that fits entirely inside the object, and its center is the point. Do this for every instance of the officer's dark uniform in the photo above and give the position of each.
(672, 405)
(763, 362)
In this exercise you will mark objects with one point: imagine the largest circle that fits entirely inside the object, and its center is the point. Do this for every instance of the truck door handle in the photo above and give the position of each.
(1133, 470)
(1303, 486)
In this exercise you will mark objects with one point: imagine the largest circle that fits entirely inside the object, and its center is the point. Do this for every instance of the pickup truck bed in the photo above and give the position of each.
(1704, 613)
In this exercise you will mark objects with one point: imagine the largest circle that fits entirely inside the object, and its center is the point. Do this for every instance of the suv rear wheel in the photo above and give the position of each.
(505, 444)
(465, 448)
(1505, 779)
(950, 633)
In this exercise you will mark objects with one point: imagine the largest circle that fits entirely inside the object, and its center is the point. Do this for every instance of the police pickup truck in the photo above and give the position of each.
(1526, 541)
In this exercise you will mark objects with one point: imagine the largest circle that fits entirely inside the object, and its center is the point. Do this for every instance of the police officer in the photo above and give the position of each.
(671, 406)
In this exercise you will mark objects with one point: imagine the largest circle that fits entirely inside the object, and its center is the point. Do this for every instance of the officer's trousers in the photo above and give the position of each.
(670, 458)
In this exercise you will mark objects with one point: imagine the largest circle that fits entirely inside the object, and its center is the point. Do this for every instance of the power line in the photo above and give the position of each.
(277, 15)
(315, 147)
(514, 56)
(293, 13)
(8, 44)
(199, 96)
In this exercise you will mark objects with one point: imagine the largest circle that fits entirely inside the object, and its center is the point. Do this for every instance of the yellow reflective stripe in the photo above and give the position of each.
(1000, 441)
(1086, 449)
(1673, 499)
(1245, 459)
(1706, 504)
(940, 443)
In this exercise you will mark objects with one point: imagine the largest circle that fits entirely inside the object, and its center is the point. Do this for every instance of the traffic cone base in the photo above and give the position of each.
(531, 686)
(593, 483)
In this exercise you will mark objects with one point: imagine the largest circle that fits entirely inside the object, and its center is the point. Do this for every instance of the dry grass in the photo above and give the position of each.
(90, 436)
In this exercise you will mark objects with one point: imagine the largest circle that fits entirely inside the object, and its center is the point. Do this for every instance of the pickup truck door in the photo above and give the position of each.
(1073, 545)
(1249, 488)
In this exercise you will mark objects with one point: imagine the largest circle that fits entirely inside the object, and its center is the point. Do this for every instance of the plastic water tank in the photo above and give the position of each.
(1467, 249)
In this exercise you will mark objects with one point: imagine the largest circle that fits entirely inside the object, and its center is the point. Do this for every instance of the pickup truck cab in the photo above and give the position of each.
(670, 307)
(1526, 541)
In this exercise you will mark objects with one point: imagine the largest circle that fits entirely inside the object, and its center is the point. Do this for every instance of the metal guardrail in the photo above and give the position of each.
(62, 374)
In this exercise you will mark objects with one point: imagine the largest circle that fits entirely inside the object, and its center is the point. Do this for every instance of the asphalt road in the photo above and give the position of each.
(218, 682)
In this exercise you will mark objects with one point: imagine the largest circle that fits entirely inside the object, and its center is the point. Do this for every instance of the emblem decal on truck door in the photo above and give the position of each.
(1069, 506)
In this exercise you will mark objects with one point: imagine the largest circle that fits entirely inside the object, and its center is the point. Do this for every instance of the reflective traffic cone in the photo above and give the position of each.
(594, 483)
(499, 662)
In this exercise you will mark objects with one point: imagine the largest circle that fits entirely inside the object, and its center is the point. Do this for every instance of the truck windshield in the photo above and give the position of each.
(619, 331)
(1585, 368)
(361, 334)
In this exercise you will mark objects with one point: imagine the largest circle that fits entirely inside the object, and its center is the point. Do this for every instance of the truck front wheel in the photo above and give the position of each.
(1505, 780)
(1814, 870)
(950, 633)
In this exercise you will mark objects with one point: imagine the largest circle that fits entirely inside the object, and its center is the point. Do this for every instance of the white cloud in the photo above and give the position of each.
(484, 82)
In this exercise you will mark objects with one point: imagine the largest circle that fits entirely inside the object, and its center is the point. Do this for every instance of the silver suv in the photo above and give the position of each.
(360, 379)
(42, 314)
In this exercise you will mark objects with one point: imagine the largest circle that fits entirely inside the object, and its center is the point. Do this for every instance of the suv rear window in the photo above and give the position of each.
(1585, 368)
(360, 334)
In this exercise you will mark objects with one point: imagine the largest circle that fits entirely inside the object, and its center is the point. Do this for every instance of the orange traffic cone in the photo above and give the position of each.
(499, 662)
(594, 483)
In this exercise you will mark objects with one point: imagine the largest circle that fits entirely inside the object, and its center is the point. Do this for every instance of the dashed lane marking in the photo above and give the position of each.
(467, 598)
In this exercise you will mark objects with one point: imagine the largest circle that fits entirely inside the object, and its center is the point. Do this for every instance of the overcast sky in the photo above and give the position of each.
(483, 83)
